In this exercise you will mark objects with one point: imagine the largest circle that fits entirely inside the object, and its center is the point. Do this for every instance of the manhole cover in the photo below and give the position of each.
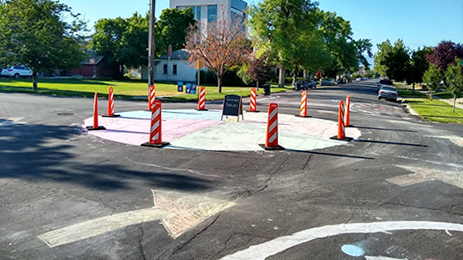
(65, 114)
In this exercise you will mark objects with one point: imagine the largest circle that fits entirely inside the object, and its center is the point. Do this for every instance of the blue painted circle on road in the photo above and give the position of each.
(352, 250)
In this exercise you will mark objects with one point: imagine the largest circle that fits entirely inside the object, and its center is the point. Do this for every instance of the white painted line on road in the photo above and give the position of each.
(426, 174)
(100, 226)
(281, 244)
(383, 258)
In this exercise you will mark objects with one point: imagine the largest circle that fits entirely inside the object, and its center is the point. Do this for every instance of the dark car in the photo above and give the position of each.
(384, 82)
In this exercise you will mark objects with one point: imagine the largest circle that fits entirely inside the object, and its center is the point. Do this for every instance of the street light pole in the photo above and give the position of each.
(151, 44)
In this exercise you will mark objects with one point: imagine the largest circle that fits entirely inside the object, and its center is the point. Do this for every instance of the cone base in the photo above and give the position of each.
(202, 109)
(276, 148)
(303, 116)
(347, 139)
(91, 128)
(115, 115)
(155, 145)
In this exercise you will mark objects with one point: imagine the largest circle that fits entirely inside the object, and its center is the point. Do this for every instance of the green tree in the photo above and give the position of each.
(397, 61)
(33, 33)
(418, 66)
(123, 41)
(454, 77)
(288, 31)
(384, 49)
(432, 78)
(172, 29)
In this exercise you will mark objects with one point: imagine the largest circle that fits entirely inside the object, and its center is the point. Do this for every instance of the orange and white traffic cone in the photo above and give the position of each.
(95, 116)
(156, 126)
(111, 104)
(253, 101)
(151, 96)
(202, 99)
(303, 109)
(341, 124)
(271, 138)
(347, 124)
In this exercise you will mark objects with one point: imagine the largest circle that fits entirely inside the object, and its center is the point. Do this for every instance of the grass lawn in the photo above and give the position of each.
(444, 95)
(436, 110)
(122, 89)
(408, 93)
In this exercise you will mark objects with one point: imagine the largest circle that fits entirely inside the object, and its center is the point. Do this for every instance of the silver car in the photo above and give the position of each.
(388, 93)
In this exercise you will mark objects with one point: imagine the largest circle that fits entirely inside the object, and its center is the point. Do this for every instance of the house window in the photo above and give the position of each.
(174, 69)
(165, 69)
(211, 13)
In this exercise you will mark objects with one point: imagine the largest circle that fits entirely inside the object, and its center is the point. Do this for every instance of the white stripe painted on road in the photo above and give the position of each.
(280, 244)
(382, 258)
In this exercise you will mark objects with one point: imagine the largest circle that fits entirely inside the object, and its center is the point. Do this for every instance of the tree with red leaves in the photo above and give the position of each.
(221, 46)
(444, 55)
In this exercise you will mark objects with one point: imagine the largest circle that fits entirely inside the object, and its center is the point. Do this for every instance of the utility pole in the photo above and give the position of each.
(151, 45)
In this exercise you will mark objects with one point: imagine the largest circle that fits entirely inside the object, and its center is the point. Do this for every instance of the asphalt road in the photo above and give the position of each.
(68, 195)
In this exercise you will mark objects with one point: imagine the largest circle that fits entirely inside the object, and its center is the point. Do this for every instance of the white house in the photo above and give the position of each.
(174, 69)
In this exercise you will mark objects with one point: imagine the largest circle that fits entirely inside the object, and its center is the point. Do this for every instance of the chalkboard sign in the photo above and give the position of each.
(233, 106)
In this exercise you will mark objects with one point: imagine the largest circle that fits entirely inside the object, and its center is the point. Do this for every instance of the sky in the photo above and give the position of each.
(418, 22)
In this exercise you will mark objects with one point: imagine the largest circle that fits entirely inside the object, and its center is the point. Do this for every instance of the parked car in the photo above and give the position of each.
(17, 71)
(305, 85)
(4, 72)
(328, 82)
(388, 93)
(384, 82)
(342, 81)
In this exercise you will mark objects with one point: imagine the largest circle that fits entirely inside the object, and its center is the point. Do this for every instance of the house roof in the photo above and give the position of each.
(92, 58)
(181, 54)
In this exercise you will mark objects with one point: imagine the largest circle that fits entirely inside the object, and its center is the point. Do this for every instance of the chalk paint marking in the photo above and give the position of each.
(421, 174)
(281, 244)
(177, 215)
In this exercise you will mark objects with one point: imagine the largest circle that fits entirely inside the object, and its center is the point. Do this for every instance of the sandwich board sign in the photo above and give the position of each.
(232, 106)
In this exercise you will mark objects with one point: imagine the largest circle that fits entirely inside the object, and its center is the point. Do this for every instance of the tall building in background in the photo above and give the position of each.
(208, 11)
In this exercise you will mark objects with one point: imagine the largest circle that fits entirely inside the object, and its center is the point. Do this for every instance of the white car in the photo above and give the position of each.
(388, 93)
(17, 71)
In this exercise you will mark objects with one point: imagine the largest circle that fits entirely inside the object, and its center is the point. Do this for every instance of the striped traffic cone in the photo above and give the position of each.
(253, 101)
(303, 109)
(347, 124)
(95, 116)
(156, 126)
(151, 97)
(111, 104)
(271, 138)
(202, 99)
(341, 124)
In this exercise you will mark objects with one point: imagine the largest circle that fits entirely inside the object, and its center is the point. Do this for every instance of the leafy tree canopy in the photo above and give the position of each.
(445, 54)
(34, 33)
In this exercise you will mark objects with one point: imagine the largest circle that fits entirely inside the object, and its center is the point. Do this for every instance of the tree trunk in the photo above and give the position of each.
(257, 85)
(454, 102)
(281, 80)
(305, 74)
(413, 87)
(219, 83)
(430, 95)
(34, 80)
(295, 75)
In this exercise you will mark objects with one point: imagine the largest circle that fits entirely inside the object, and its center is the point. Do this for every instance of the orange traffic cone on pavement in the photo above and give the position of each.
(347, 123)
(271, 138)
(303, 109)
(156, 126)
(151, 97)
(95, 125)
(341, 124)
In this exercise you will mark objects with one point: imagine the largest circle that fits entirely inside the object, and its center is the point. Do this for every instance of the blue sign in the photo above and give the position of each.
(180, 86)
(193, 89)
(188, 88)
